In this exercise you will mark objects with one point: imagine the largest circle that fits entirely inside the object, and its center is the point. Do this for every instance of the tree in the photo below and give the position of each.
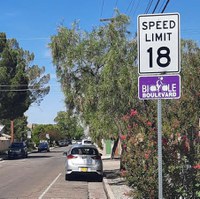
(40, 133)
(20, 127)
(96, 73)
(69, 125)
(20, 83)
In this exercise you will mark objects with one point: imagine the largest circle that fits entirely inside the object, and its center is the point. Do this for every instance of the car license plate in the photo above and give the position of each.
(84, 169)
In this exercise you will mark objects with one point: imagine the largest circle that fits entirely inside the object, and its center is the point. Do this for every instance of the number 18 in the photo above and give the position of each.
(163, 57)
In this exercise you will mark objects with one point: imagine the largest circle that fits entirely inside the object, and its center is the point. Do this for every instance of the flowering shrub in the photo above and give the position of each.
(139, 158)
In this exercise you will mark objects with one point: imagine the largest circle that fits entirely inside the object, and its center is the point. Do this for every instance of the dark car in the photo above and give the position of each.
(18, 150)
(64, 142)
(43, 146)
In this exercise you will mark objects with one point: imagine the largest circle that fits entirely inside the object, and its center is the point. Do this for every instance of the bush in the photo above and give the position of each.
(139, 158)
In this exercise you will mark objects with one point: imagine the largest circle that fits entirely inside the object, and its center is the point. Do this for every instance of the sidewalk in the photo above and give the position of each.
(115, 186)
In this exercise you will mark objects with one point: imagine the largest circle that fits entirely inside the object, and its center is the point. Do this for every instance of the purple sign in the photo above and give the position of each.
(159, 87)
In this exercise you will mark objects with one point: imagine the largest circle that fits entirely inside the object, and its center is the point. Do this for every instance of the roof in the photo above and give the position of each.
(83, 146)
(5, 136)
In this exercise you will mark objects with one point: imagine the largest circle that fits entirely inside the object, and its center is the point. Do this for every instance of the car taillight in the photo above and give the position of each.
(71, 156)
(97, 157)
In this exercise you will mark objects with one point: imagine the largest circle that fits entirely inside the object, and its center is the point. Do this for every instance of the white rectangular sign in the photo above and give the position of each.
(159, 43)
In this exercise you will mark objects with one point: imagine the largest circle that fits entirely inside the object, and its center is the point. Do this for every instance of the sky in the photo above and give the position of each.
(33, 22)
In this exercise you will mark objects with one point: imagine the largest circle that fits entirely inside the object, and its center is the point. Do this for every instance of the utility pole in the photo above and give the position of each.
(12, 130)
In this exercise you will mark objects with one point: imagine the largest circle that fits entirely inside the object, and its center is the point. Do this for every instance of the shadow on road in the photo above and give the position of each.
(39, 156)
(85, 177)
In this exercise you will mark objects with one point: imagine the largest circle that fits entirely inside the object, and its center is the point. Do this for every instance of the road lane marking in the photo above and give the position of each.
(47, 189)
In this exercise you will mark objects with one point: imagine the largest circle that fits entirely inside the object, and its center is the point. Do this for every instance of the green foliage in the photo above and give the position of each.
(20, 127)
(20, 84)
(68, 125)
(39, 133)
(96, 73)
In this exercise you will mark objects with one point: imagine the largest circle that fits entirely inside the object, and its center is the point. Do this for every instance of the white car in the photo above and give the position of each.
(86, 142)
(83, 160)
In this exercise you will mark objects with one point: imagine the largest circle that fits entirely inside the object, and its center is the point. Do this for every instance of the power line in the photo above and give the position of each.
(130, 5)
(156, 6)
(116, 3)
(34, 38)
(102, 6)
(136, 7)
(20, 90)
(27, 39)
(165, 6)
(149, 6)
(162, 6)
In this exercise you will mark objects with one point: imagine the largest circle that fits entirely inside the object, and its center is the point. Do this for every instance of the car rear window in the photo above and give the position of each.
(87, 142)
(84, 151)
(43, 144)
(16, 145)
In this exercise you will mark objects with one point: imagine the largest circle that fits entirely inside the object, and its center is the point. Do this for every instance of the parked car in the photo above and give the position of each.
(43, 146)
(86, 142)
(18, 150)
(64, 142)
(61, 143)
(79, 141)
(74, 142)
(83, 159)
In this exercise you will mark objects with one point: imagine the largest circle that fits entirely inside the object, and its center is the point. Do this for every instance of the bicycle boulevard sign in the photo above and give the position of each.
(159, 43)
(159, 87)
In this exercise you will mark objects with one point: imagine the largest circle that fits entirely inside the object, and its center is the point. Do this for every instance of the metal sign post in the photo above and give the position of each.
(160, 182)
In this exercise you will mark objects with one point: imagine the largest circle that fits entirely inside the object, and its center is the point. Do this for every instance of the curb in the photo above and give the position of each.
(107, 189)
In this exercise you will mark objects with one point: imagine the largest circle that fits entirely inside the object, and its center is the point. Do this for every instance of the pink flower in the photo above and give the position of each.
(133, 112)
(149, 123)
(135, 125)
(129, 127)
(122, 137)
(146, 155)
(196, 166)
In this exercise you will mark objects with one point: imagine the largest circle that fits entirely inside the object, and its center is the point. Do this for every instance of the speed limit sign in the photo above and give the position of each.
(159, 43)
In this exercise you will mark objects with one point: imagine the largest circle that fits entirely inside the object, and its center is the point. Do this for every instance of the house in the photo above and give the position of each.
(4, 139)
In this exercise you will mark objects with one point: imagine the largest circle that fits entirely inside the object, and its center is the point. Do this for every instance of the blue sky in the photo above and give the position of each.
(33, 22)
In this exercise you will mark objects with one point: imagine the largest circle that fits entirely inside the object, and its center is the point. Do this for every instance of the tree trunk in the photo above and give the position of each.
(114, 148)
(12, 130)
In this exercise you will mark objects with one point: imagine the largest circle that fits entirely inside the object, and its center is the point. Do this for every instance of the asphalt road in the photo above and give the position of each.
(42, 176)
